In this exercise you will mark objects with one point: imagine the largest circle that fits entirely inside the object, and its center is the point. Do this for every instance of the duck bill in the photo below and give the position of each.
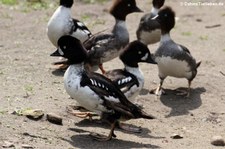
(56, 53)
(150, 60)
(136, 9)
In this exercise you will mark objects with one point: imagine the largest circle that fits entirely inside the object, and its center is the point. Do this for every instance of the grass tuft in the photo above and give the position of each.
(205, 37)
(9, 2)
(186, 33)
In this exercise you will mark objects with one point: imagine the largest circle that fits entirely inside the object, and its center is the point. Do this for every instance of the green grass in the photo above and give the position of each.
(28, 88)
(186, 33)
(37, 5)
(203, 37)
(9, 2)
(99, 21)
(94, 1)
(20, 112)
(6, 16)
(3, 112)
(28, 5)
(85, 17)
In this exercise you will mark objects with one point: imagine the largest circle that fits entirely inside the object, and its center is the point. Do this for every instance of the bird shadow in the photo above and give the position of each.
(181, 105)
(58, 72)
(144, 133)
(84, 140)
(144, 91)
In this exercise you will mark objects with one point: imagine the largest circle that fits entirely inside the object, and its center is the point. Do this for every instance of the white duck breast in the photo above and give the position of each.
(150, 37)
(59, 24)
(135, 89)
(173, 67)
(83, 95)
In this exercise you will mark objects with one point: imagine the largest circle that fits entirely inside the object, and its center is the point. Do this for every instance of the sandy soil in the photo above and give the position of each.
(29, 81)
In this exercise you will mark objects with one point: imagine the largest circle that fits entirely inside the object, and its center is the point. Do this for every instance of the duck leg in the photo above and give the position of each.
(61, 64)
(81, 114)
(185, 93)
(159, 90)
(101, 68)
(99, 137)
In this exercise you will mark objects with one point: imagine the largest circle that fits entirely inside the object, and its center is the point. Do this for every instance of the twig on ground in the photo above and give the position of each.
(222, 73)
(213, 26)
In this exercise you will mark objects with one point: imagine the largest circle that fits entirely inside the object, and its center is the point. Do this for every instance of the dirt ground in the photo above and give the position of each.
(28, 81)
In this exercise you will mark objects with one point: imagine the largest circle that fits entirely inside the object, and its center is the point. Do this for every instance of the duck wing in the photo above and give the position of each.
(79, 30)
(122, 78)
(111, 95)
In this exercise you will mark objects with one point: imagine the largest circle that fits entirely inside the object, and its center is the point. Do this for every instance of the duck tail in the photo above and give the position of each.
(198, 64)
(147, 116)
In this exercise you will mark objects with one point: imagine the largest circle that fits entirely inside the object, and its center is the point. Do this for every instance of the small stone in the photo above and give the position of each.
(27, 146)
(218, 141)
(54, 118)
(8, 144)
(176, 136)
(33, 114)
(199, 20)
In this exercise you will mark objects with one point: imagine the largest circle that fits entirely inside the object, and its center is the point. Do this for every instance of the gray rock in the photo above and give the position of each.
(176, 136)
(54, 118)
(218, 141)
(8, 144)
(33, 114)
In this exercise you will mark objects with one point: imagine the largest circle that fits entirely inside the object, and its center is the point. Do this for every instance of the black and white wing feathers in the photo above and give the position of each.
(123, 79)
(113, 98)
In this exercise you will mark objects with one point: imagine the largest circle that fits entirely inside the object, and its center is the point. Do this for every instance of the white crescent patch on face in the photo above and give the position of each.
(60, 51)
(144, 58)
(154, 18)
(80, 24)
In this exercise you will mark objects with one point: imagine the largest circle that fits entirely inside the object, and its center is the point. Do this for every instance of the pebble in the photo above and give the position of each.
(54, 118)
(27, 146)
(176, 136)
(218, 141)
(7, 144)
(33, 114)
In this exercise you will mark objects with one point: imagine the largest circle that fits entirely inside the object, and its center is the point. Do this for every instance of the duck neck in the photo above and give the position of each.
(136, 72)
(131, 69)
(120, 30)
(76, 68)
(154, 11)
(165, 37)
(64, 11)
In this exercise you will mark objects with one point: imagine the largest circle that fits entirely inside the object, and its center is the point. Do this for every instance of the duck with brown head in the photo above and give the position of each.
(105, 47)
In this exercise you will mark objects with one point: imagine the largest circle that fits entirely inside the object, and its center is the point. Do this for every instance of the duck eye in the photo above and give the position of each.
(128, 5)
(139, 52)
(64, 47)
(165, 15)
